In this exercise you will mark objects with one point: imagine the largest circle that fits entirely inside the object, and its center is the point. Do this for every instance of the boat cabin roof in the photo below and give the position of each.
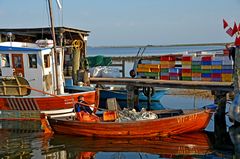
(33, 34)
(20, 46)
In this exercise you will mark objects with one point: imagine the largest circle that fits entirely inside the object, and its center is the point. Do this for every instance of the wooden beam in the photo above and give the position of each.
(205, 85)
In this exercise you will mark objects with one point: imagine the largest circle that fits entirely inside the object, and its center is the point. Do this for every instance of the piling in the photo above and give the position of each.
(220, 128)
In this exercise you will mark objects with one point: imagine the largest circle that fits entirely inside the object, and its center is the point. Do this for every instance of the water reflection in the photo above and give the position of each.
(175, 146)
(21, 139)
(25, 139)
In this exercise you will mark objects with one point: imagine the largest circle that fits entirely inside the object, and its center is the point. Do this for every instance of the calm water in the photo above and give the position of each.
(26, 140)
(93, 51)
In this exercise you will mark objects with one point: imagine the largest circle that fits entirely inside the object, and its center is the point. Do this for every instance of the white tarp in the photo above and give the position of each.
(104, 71)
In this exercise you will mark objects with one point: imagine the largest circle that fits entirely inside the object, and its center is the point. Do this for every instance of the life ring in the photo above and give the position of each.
(148, 91)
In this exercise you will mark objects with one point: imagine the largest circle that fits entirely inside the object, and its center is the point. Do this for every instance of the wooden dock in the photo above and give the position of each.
(141, 82)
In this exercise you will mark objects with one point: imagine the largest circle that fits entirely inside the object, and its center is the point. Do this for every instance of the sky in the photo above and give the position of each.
(130, 22)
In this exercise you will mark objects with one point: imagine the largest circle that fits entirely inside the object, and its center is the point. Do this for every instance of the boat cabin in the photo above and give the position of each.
(35, 62)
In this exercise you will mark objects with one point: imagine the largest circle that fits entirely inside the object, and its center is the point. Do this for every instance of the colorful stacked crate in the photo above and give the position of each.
(196, 68)
(216, 73)
(206, 66)
(175, 73)
(166, 63)
(148, 70)
(187, 68)
(227, 69)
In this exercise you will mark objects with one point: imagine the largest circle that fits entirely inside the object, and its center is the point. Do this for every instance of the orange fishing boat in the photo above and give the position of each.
(188, 121)
(28, 82)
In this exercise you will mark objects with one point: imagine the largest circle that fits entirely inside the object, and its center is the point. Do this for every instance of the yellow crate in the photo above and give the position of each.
(206, 79)
(186, 62)
(143, 69)
(187, 74)
(226, 80)
(217, 67)
(148, 65)
(227, 77)
(206, 67)
(167, 62)
(155, 69)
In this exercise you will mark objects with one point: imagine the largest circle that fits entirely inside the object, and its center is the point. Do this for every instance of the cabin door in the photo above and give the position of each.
(17, 63)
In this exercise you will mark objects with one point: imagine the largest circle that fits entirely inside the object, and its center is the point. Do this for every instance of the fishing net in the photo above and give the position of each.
(132, 115)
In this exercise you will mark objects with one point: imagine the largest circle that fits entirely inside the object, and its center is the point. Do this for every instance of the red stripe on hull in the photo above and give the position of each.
(48, 103)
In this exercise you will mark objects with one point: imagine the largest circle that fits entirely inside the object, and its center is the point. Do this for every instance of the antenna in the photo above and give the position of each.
(54, 43)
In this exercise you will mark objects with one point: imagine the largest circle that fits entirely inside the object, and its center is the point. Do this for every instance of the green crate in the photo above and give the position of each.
(196, 67)
(165, 70)
(196, 70)
(151, 74)
(206, 71)
(186, 78)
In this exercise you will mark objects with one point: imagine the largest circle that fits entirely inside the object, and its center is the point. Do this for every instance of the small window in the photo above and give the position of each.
(5, 60)
(58, 58)
(47, 61)
(32, 58)
(17, 61)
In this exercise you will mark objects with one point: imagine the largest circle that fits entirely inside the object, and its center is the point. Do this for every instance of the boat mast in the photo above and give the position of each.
(54, 44)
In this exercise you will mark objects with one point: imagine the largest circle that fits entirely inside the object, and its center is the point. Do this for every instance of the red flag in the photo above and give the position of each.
(230, 31)
(237, 41)
(239, 27)
(225, 24)
(235, 28)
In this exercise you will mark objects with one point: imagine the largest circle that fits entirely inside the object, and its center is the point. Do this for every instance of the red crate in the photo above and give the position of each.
(216, 75)
(187, 58)
(207, 58)
(186, 70)
(164, 77)
(167, 58)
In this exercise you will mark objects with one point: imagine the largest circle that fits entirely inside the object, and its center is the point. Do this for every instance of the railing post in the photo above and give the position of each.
(123, 68)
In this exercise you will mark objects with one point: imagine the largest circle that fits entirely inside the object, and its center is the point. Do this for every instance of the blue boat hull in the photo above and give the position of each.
(122, 95)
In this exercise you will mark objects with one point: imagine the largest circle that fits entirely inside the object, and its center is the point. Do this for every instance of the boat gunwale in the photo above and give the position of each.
(189, 112)
(49, 96)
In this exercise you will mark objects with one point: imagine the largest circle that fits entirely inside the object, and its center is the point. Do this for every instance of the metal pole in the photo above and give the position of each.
(54, 43)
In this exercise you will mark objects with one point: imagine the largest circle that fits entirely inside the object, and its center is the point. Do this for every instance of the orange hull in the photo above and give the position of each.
(191, 121)
(45, 103)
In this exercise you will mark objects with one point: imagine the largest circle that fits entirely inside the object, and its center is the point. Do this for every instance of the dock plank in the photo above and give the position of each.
(204, 85)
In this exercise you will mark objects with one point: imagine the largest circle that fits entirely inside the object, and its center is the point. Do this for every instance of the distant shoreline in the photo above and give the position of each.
(171, 45)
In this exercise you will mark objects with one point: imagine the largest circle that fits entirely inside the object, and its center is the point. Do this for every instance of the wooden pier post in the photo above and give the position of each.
(132, 97)
(236, 83)
(220, 128)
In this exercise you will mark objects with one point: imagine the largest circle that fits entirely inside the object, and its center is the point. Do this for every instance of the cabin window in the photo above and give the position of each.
(5, 60)
(17, 61)
(47, 61)
(58, 58)
(32, 58)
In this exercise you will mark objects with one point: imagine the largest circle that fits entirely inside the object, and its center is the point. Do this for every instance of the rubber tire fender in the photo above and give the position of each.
(151, 89)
